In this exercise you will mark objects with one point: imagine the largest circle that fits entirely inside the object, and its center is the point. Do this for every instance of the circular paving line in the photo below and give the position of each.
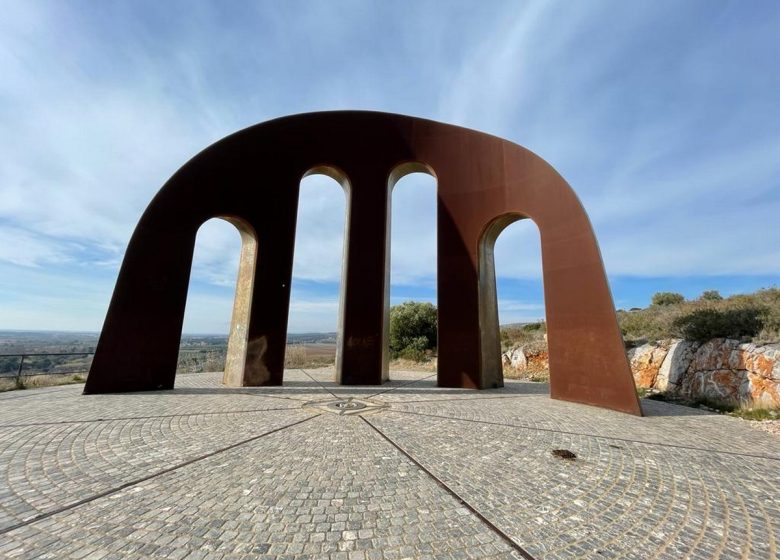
(621, 496)
(617, 497)
(306, 490)
(139, 480)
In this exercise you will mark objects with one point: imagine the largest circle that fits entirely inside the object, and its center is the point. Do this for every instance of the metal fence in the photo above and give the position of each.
(24, 358)
(36, 364)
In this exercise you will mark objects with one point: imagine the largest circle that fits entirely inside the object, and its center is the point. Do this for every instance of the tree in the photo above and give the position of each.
(667, 298)
(413, 328)
(711, 295)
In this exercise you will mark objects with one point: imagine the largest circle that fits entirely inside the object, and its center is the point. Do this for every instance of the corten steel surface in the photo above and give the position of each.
(252, 179)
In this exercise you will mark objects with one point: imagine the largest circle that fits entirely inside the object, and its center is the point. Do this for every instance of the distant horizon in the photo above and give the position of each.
(691, 295)
(646, 286)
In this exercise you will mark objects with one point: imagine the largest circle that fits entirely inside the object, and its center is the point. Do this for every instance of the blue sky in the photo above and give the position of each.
(663, 116)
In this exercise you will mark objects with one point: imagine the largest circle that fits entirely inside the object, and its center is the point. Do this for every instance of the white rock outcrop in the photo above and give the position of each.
(675, 364)
(515, 358)
(721, 368)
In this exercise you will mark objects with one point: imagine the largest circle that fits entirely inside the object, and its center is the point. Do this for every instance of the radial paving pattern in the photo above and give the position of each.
(405, 470)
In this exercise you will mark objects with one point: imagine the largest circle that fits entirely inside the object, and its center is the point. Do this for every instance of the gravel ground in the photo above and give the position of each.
(771, 426)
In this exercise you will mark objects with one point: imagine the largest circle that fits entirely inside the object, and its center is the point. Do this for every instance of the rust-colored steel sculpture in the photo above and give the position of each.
(252, 178)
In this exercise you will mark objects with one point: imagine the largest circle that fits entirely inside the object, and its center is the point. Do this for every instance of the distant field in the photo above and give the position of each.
(318, 350)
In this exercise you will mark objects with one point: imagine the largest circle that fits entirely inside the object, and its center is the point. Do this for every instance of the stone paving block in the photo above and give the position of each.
(153, 475)
(664, 423)
(332, 464)
(615, 497)
(47, 467)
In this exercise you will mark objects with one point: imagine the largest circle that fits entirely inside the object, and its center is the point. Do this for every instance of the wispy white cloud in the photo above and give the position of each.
(64, 298)
(675, 161)
(413, 231)
(319, 241)
(669, 136)
(24, 248)
(312, 312)
(519, 311)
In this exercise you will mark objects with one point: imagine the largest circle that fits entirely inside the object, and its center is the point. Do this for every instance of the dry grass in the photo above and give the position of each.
(402, 364)
(757, 411)
(529, 336)
(747, 410)
(35, 381)
(197, 362)
(302, 356)
(540, 376)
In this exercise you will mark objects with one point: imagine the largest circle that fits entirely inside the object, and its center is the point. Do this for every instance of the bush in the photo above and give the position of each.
(653, 323)
(705, 324)
(295, 356)
(415, 349)
(736, 316)
(523, 335)
(413, 329)
(769, 298)
(711, 295)
(667, 298)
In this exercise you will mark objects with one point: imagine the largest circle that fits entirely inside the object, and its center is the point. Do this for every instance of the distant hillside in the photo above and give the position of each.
(312, 338)
(13, 342)
(518, 325)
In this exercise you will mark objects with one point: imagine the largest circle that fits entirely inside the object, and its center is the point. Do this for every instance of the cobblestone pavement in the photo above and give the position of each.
(405, 470)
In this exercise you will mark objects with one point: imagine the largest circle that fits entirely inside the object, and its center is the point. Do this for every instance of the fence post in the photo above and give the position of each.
(19, 371)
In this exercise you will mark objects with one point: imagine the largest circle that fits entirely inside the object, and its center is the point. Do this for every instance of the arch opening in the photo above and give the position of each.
(223, 264)
(316, 313)
(411, 243)
(511, 299)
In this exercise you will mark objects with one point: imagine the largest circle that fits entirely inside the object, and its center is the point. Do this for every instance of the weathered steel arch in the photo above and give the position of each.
(253, 177)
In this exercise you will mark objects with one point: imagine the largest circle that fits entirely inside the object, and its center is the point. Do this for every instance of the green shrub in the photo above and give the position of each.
(413, 329)
(667, 298)
(749, 412)
(707, 323)
(711, 295)
(755, 315)
(415, 349)
(770, 298)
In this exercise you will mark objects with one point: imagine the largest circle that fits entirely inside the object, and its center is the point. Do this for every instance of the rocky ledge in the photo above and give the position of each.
(720, 369)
